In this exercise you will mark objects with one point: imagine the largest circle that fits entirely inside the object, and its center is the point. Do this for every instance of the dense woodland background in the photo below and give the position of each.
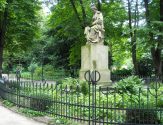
(33, 38)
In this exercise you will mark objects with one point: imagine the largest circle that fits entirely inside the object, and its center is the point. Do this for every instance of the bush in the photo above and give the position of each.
(160, 102)
(122, 72)
(40, 102)
(75, 85)
(130, 85)
(62, 121)
(70, 83)
(142, 116)
(8, 103)
(84, 88)
(145, 66)
(13, 85)
(140, 108)
(31, 113)
(38, 71)
(49, 70)
(32, 67)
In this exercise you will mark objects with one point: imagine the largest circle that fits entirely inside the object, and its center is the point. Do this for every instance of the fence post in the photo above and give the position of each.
(18, 76)
(92, 78)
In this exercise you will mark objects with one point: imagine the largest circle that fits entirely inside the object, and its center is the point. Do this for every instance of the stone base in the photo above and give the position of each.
(104, 80)
(95, 57)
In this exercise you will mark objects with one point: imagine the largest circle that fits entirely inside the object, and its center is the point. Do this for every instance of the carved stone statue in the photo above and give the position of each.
(95, 33)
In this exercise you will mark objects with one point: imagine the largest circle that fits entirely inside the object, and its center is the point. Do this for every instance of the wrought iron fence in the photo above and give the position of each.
(59, 74)
(146, 79)
(89, 103)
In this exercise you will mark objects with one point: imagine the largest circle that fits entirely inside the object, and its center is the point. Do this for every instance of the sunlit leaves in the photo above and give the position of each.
(2, 5)
(22, 24)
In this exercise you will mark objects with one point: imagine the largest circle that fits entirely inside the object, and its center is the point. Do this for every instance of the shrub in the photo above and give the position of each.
(49, 70)
(130, 85)
(13, 85)
(122, 72)
(74, 84)
(32, 67)
(62, 121)
(84, 88)
(40, 102)
(38, 71)
(142, 116)
(8, 103)
(31, 113)
(145, 66)
(140, 109)
(160, 102)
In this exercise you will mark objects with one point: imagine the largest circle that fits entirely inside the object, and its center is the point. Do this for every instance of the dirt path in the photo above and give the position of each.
(8, 117)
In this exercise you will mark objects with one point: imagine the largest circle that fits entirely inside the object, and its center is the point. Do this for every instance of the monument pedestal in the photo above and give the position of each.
(95, 57)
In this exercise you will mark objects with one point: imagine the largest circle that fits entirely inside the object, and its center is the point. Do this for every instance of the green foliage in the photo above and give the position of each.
(49, 70)
(141, 116)
(8, 103)
(32, 67)
(23, 26)
(40, 102)
(160, 102)
(132, 104)
(25, 32)
(61, 121)
(122, 72)
(145, 66)
(75, 85)
(31, 113)
(70, 83)
(65, 33)
(13, 85)
(136, 106)
(26, 75)
(157, 89)
(38, 71)
(129, 85)
(84, 88)
(2, 5)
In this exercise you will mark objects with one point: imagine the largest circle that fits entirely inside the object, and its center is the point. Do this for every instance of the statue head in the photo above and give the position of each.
(93, 7)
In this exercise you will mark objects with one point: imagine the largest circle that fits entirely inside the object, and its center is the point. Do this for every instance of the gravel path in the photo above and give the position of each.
(8, 117)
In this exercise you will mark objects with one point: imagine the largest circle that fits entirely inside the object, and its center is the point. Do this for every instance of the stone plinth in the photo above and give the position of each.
(95, 57)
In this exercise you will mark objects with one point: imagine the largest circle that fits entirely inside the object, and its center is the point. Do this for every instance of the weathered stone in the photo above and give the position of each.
(95, 57)
(95, 32)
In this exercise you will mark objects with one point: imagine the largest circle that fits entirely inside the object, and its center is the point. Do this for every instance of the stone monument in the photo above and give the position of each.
(94, 55)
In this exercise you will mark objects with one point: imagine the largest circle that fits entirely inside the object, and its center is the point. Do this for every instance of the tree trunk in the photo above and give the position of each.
(2, 36)
(160, 45)
(161, 11)
(147, 12)
(156, 50)
(133, 39)
(99, 5)
(156, 56)
(1, 60)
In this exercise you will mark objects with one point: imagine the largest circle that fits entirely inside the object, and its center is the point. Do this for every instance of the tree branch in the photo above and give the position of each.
(83, 13)
(76, 12)
(99, 5)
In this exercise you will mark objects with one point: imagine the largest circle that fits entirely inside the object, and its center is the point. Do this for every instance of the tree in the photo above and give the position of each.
(133, 33)
(3, 28)
(62, 30)
(154, 32)
(18, 25)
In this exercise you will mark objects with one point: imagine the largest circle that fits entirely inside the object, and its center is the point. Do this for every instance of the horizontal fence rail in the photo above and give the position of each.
(89, 103)
(146, 79)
